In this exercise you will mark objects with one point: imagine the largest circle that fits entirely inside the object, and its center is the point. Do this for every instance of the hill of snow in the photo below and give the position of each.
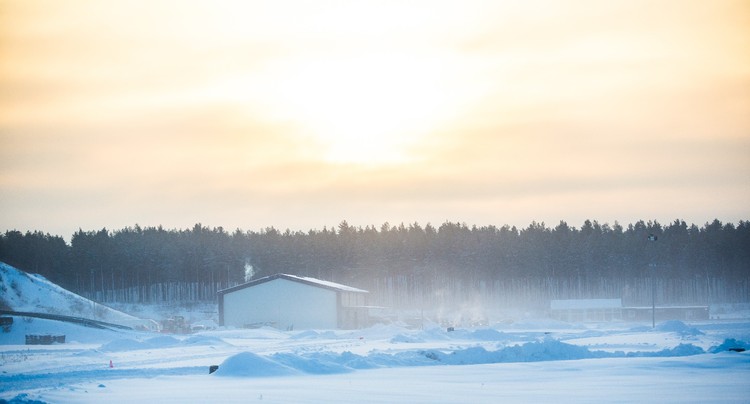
(23, 292)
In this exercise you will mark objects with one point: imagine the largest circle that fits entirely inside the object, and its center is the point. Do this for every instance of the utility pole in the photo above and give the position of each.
(652, 264)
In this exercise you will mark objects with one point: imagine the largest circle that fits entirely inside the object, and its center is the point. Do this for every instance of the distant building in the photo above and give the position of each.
(293, 302)
(598, 310)
(685, 313)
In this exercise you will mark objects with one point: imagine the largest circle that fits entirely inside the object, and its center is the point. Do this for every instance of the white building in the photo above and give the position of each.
(293, 302)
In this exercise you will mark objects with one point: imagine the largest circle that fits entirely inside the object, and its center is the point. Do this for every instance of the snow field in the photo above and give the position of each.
(536, 361)
(702, 379)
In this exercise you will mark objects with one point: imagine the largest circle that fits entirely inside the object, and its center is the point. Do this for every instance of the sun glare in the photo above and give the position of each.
(369, 110)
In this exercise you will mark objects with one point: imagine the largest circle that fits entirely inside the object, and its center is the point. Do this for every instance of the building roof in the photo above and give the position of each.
(581, 304)
(300, 279)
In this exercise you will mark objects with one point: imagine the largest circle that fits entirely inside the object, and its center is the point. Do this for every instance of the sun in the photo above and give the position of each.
(370, 110)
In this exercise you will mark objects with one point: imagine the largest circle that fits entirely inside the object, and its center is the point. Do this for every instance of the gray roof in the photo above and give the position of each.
(294, 278)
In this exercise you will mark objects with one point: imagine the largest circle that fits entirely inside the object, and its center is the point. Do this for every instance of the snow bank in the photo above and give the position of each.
(206, 340)
(25, 292)
(246, 364)
(678, 327)
(731, 344)
(325, 362)
(162, 341)
(401, 338)
(313, 334)
(547, 350)
(317, 365)
(320, 363)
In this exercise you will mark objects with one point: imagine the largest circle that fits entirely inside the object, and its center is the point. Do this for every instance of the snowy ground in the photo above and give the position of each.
(535, 361)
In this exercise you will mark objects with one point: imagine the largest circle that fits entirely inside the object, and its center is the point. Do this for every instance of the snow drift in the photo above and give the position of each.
(23, 292)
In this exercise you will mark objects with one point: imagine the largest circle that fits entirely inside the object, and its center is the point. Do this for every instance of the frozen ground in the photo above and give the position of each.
(537, 361)
(525, 361)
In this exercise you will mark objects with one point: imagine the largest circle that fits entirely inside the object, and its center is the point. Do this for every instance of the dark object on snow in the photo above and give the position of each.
(736, 349)
(6, 323)
(44, 339)
(451, 329)
(213, 368)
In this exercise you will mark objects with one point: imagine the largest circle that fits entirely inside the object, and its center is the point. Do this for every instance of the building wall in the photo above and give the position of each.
(690, 313)
(282, 304)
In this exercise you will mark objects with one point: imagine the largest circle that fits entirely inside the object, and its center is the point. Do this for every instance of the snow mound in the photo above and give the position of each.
(401, 338)
(678, 327)
(317, 365)
(23, 292)
(312, 334)
(679, 350)
(247, 364)
(547, 350)
(23, 399)
(307, 334)
(205, 340)
(731, 344)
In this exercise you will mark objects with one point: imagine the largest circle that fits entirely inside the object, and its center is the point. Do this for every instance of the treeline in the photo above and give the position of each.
(410, 259)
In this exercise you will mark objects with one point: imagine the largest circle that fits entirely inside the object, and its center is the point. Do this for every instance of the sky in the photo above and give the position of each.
(302, 114)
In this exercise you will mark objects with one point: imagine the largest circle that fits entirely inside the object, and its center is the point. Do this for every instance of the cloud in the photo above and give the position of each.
(170, 113)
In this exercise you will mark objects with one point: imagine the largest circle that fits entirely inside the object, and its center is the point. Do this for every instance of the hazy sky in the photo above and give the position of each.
(301, 114)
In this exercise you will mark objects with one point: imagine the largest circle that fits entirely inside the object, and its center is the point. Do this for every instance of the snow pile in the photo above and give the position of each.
(732, 345)
(246, 364)
(205, 340)
(401, 338)
(679, 327)
(162, 341)
(312, 334)
(24, 292)
(316, 364)
(322, 363)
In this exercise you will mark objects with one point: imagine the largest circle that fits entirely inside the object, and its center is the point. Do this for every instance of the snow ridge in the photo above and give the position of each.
(23, 292)
(246, 364)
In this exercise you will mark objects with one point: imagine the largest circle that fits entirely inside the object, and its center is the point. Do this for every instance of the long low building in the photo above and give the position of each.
(293, 302)
(596, 310)
(684, 313)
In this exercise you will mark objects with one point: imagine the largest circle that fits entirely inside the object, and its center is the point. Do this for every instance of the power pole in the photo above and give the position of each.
(652, 264)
